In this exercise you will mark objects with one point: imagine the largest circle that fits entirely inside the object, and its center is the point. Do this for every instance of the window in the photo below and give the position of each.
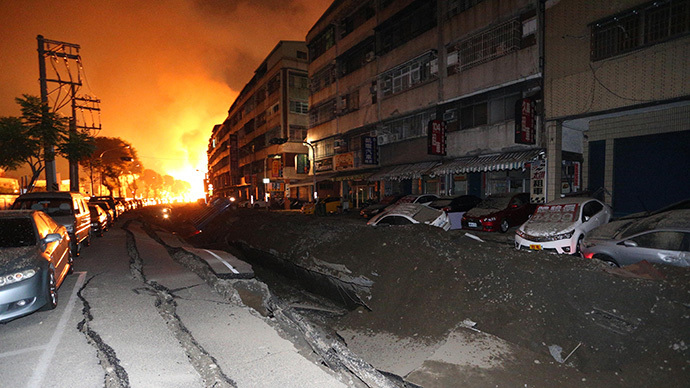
(356, 57)
(297, 133)
(260, 119)
(356, 19)
(322, 113)
(406, 25)
(502, 108)
(322, 78)
(394, 220)
(297, 81)
(299, 107)
(322, 42)
(273, 84)
(473, 115)
(668, 241)
(484, 46)
(410, 74)
(649, 23)
(324, 148)
(590, 209)
(409, 127)
(349, 102)
(457, 6)
(301, 54)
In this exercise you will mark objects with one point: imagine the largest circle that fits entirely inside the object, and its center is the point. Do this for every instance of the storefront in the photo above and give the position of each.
(404, 178)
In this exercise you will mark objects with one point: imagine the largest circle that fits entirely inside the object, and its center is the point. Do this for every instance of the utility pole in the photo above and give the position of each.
(66, 51)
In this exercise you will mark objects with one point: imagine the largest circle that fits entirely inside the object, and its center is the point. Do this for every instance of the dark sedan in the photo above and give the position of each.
(34, 260)
(99, 219)
(499, 212)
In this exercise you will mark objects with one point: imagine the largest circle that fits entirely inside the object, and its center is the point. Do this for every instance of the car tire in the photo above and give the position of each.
(70, 262)
(606, 259)
(74, 247)
(576, 251)
(87, 241)
(504, 226)
(51, 294)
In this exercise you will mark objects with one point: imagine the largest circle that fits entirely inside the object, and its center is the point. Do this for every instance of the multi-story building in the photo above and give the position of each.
(259, 148)
(617, 88)
(425, 96)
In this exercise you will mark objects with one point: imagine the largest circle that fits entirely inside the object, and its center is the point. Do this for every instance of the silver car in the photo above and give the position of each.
(35, 258)
(661, 238)
(411, 213)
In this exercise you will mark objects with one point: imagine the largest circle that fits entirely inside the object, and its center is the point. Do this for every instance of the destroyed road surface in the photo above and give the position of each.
(336, 303)
(443, 309)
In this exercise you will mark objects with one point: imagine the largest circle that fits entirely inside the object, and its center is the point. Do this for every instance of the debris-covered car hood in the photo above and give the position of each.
(18, 258)
(543, 229)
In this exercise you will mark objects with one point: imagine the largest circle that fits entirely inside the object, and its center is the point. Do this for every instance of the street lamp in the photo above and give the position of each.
(313, 166)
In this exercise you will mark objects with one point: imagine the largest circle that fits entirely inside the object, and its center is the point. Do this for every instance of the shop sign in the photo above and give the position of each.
(302, 163)
(323, 165)
(436, 137)
(276, 168)
(369, 150)
(275, 186)
(525, 121)
(538, 181)
(344, 161)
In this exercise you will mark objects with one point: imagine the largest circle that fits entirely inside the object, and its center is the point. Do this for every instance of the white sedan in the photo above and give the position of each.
(411, 213)
(560, 225)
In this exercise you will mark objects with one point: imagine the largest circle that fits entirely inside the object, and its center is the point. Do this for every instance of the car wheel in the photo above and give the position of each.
(70, 262)
(51, 295)
(74, 247)
(606, 259)
(87, 242)
(504, 226)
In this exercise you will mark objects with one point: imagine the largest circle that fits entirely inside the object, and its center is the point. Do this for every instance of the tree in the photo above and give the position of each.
(23, 140)
(115, 161)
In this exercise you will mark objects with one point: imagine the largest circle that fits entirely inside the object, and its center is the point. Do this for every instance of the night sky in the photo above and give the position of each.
(165, 71)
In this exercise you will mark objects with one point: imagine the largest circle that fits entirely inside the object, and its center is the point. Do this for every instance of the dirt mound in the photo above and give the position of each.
(426, 282)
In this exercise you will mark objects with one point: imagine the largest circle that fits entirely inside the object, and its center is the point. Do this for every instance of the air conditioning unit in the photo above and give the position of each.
(338, 144)
(382, 139)
(369, 56)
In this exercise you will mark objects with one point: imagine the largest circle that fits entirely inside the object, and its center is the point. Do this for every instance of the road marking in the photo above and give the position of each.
(21, 351)
(222, 261)
(44, 362)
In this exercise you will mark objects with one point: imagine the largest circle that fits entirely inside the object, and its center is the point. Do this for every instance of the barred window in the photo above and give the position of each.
(322, 78)
(297, 133)
(299, 107)
(416, 19)
(410, 74)
(322, 42)
(322, 113)
(484, 46)
(298, 81)
(457, 6)
(273, 85)
(634, 28)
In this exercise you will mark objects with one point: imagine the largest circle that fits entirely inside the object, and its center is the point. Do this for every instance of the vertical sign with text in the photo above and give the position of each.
(369, 150)
(525, 121)
(436, 137)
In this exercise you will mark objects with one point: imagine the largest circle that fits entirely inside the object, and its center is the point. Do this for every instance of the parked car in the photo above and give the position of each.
(411, 213)
(376, 208)
(662, 238)
(109, 211)
(560, 225)
(499, 212)
(99, 220)
(455, 207)
(35, 258)
(65, 207)
(422, 199)
(111, 202)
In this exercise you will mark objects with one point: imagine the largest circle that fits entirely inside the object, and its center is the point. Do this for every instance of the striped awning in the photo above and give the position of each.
(404, 171)
(494, 162)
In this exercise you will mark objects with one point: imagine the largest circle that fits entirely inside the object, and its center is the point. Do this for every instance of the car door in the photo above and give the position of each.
(518, 210)
(593, 215)
(658, 246)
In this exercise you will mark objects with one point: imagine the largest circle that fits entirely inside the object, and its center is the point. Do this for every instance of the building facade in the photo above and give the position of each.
(617, 88)
(425, 96)
(258, 150)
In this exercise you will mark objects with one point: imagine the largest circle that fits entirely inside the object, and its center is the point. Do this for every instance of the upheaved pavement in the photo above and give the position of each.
(132, 315)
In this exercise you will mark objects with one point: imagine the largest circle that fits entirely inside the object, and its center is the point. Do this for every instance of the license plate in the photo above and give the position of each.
(535, 247)
(472, 224)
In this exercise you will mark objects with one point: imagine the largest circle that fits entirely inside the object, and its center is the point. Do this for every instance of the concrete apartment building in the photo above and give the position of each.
(617, 88)
(258, 149)
(425, 96)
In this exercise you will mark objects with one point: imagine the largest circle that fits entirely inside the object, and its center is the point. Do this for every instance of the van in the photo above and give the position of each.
(66, 208)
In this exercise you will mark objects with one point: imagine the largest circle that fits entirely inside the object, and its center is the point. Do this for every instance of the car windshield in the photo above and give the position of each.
(53, 207)
(555, 213)
(16, 232)
(494, 203)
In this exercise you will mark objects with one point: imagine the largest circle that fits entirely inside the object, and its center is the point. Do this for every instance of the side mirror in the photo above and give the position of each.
(52, 238)
(630, 243)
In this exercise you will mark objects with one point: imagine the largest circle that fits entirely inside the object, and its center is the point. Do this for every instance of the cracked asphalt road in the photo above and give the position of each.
(131, 316)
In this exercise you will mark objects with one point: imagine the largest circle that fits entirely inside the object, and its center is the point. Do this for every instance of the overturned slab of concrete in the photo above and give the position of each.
(223, 264)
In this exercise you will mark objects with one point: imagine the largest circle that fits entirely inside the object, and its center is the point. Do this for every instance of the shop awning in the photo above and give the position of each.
(404, 171)
(310, 181)
(356, 175)
(494, 162)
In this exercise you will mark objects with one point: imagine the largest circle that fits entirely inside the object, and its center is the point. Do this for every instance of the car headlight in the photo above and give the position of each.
(16, 277)
(564, 236)
(520, 233)
(489, 219)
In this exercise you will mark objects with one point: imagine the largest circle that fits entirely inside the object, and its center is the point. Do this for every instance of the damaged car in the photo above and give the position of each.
(411, 213)
(662, 238)
(499, 212)
(560, 225)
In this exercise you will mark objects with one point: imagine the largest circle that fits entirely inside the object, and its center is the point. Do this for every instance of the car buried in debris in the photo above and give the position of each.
(662, 238)
(499, 212)
(560, 225)
(411, 213)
